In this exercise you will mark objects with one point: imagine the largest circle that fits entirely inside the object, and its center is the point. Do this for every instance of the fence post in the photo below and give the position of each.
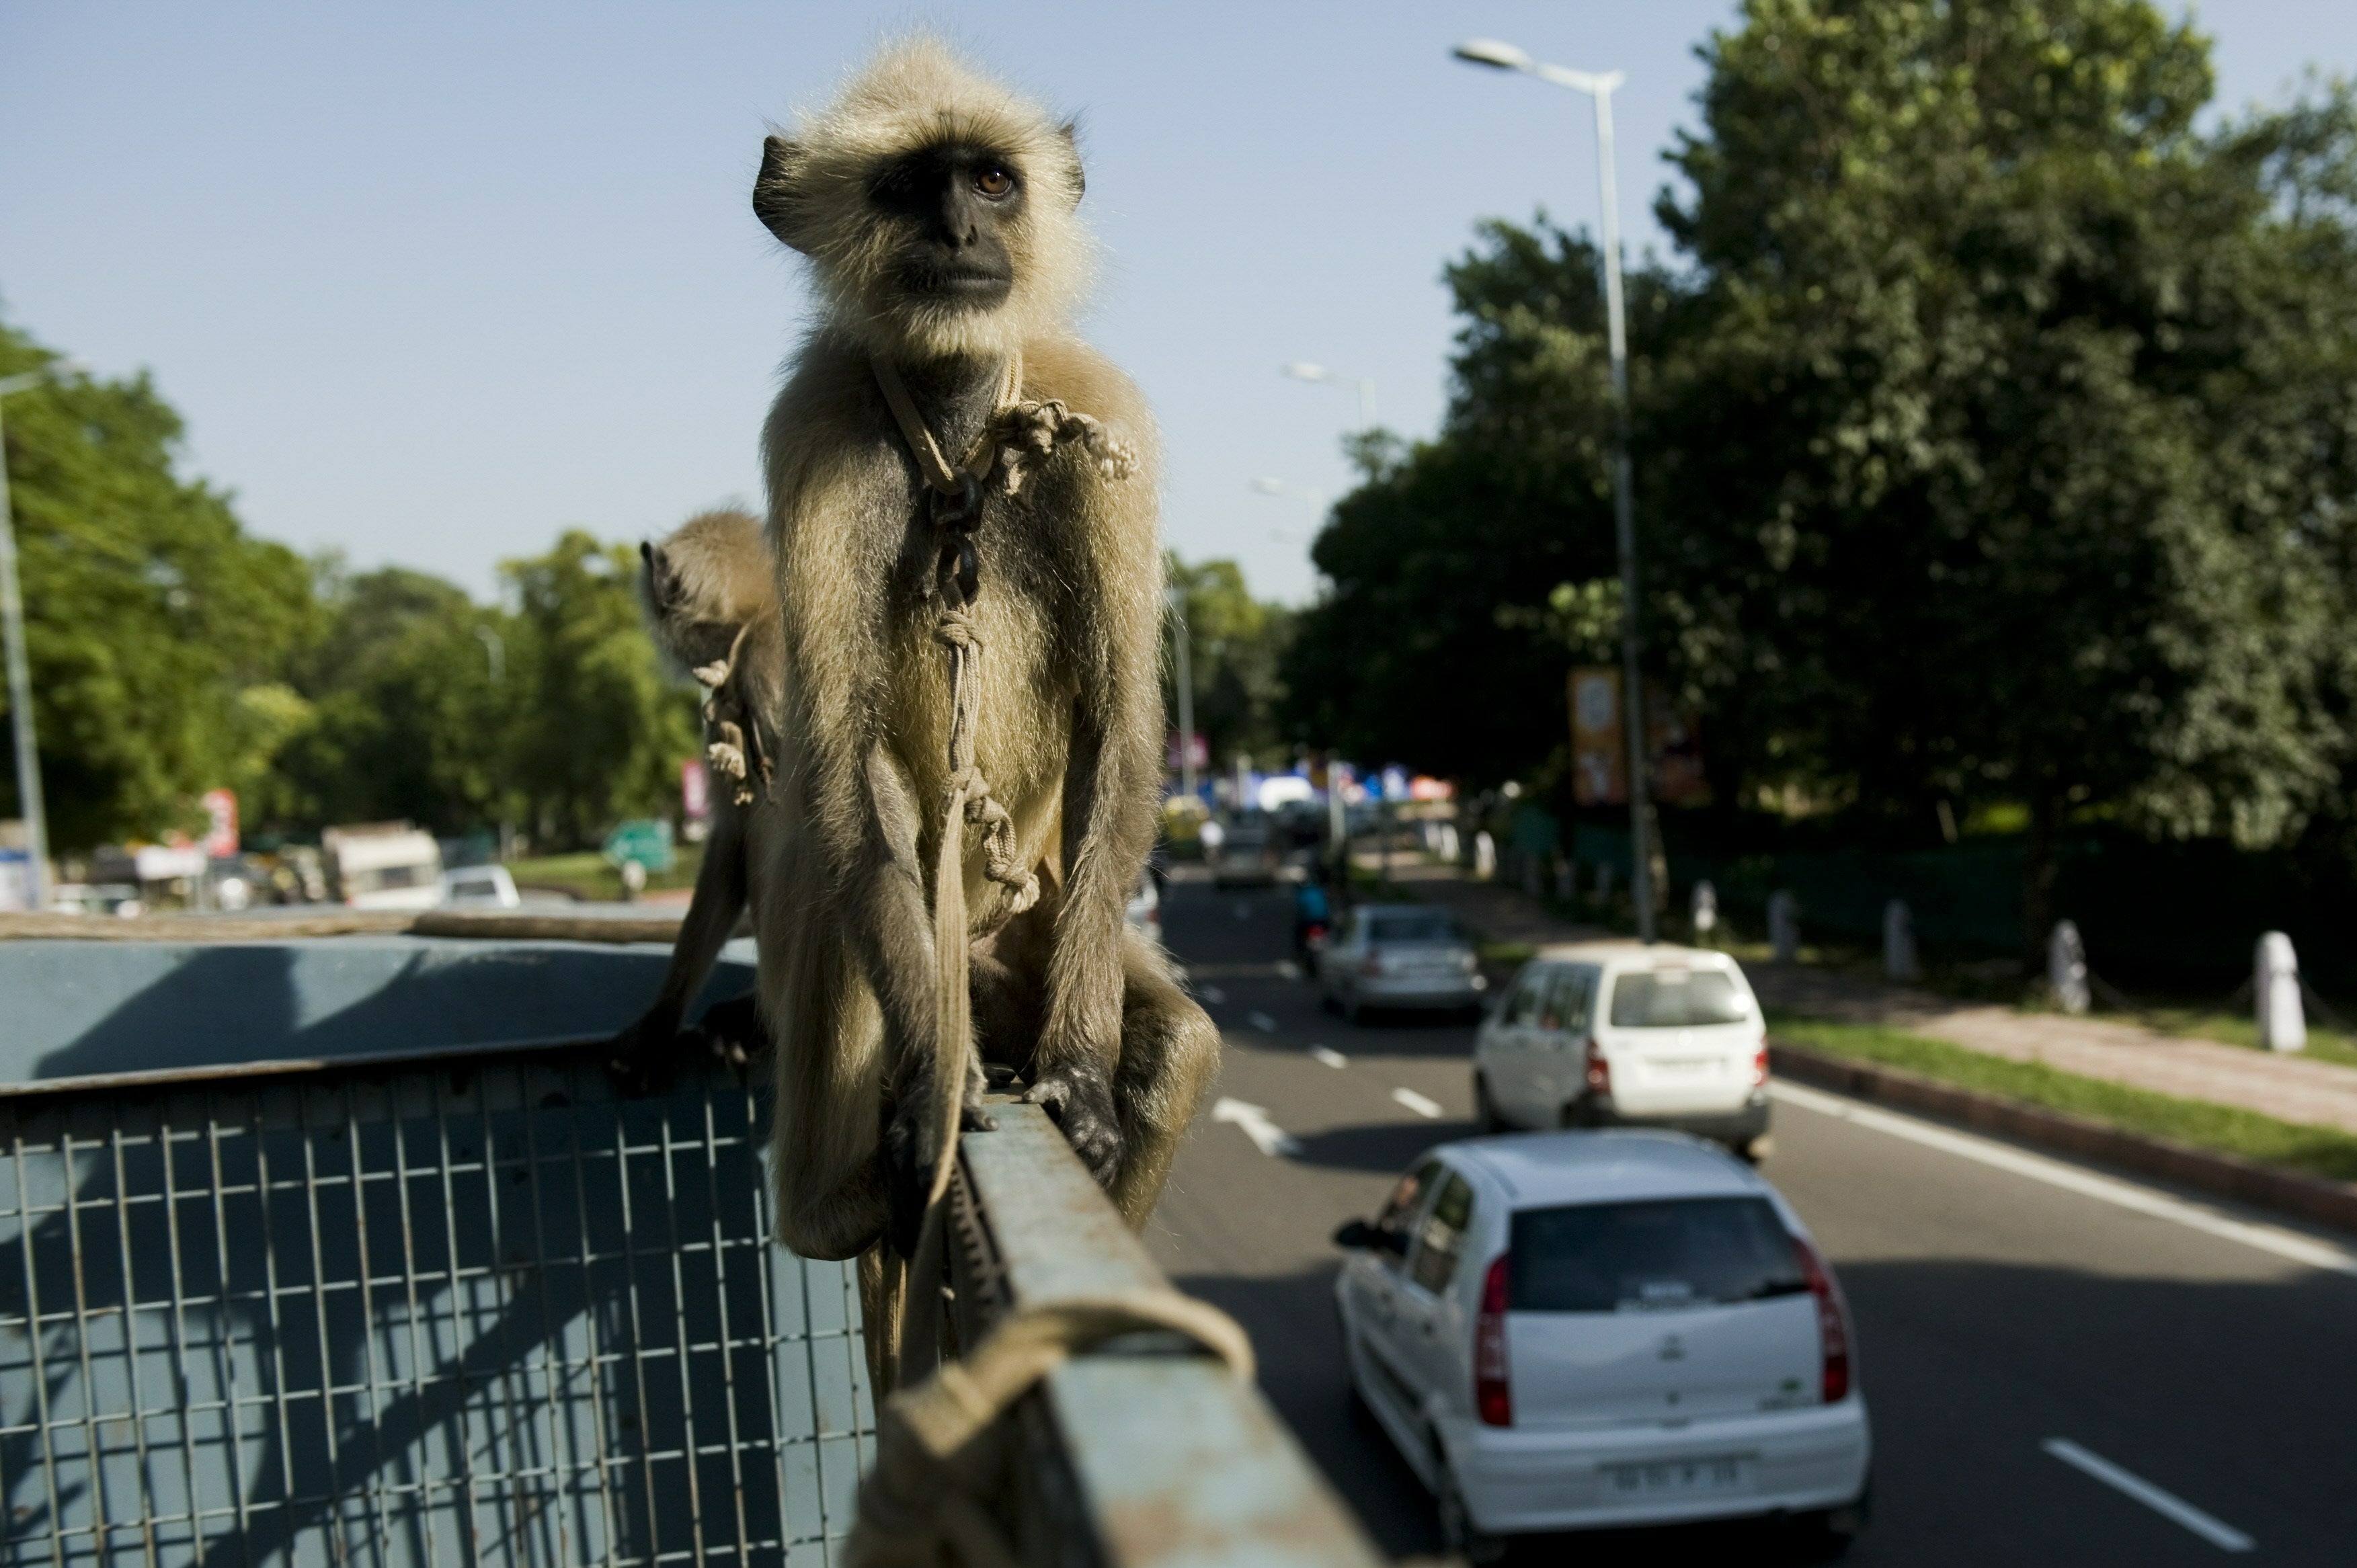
(1485, 856)
(1899, 942)
(2283, 1026)
(2066, 968)
(1783, 926)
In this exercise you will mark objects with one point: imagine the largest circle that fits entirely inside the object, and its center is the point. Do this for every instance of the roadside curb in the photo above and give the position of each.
(2312, 1198)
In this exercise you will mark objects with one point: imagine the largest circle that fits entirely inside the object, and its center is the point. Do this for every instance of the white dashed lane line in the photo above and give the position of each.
(1253, 1121)
(1331, 1058)
(2169, 1505)
(1213, 994)
(1427, 1108)
(1263, 1022)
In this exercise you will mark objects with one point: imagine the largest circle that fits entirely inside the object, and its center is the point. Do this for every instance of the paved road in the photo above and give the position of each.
(2003, 1300)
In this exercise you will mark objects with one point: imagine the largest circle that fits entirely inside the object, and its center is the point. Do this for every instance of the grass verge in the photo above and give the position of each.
(586, 875)
(2315, 1150)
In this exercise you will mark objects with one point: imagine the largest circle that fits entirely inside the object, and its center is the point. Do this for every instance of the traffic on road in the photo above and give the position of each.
(2046, 1364)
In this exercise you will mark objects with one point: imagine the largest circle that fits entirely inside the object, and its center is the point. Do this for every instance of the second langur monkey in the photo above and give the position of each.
(936, 208)
(711, 609)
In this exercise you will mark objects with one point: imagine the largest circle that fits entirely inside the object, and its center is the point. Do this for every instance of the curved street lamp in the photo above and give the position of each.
(1599, 87)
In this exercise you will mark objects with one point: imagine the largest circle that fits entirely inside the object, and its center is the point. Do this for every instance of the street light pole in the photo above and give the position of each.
(1181, 637)
(1599, 88)
(1302, 371)
(20, 673)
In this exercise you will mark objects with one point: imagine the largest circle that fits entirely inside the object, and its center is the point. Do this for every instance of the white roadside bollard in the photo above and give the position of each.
(1485, 856)
(2282, 1023)
(1899, 942)
(1706, 910)
(1783, 926)
(1448, 845)
(2066, 968)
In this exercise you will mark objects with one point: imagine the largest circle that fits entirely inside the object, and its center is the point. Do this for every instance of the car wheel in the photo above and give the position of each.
(1485, 1112)
(1459, 1534)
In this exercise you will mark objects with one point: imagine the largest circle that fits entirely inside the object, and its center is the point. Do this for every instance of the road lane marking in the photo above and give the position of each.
(1428, 1109)
(2054, 1173)
(1263, 1022)
(1287, 970)
(2217, 1532)
(1214, 995)
(1253, 1120)
(1331, 1058)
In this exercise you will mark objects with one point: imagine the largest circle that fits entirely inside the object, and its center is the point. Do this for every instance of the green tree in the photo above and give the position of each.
(1429, 644)
(408, 711)
(1235, 646)
(601, 727)
(157, 627)
(2014, 463)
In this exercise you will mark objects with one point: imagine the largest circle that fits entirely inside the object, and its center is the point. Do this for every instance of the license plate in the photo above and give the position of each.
(1684, 1066)
(1677, 1478)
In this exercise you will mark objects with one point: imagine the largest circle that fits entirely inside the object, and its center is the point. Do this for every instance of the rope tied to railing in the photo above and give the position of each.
(936, 1457)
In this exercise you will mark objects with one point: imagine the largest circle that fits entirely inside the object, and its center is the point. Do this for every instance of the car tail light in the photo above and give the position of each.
(1832, 1321)
(1314, 933)
(1493, 1393)
(1759, 1066)
(1600, 1071)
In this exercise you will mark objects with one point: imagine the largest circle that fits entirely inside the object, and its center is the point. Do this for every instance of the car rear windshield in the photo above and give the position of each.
(1676, 999)
(1412, 928)
(1651, 1257)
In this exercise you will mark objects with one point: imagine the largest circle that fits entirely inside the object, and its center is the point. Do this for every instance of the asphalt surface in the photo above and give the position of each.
(1997, 1311)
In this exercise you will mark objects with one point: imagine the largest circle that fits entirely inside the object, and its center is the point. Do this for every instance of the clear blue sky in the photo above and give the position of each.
(431, 281)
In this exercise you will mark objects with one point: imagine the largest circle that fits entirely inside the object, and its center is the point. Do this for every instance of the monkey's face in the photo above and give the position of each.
(952, 212)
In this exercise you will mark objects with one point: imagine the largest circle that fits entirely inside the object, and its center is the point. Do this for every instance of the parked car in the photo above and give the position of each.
(488, 887)
(383, 865)
(1590, 1330)
(1245, 855)
(1604, 1034)
(1399, 955)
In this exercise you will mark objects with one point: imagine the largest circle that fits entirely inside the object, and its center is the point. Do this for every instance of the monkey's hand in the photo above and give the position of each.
(733, 1032)
(1078, 1098)
(644, 1057)
(912, 1145)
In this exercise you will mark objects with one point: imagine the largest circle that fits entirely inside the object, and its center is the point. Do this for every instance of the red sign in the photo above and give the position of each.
(221, 833)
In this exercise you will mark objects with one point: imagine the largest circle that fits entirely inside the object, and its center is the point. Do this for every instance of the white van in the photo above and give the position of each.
(1606, 1033)
(383, 865)
(1582, 1330)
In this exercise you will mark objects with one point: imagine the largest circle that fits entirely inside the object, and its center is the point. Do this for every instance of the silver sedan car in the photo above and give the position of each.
(1400, 955)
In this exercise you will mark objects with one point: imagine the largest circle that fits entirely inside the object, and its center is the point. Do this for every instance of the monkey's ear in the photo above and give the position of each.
(1070, 131)
(661, 582)
(774, 189)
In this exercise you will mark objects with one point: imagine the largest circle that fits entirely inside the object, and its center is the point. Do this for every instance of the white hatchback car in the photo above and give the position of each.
(1606, 1034)
(1590, 1330)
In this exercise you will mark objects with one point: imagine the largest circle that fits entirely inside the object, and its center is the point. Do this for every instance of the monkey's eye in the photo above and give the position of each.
(993, 181)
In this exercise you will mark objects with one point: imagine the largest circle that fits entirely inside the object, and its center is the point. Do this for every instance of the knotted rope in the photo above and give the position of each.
(732, 730)
(1016, 439)
(921, 1506)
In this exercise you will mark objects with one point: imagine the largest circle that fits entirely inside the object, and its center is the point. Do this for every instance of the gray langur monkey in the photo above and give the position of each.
(711, 598)
(936, 211)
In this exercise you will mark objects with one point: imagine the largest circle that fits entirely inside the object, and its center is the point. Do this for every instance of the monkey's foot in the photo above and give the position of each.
(913, 1147)
(1079, 1099)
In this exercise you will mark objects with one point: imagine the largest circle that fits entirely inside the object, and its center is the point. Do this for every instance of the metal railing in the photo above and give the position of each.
(473, 1311)
(476, 1308)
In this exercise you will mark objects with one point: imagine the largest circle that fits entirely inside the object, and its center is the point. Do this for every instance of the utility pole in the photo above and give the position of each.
(1180, 636)
(20, 673)
(1599, 88)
